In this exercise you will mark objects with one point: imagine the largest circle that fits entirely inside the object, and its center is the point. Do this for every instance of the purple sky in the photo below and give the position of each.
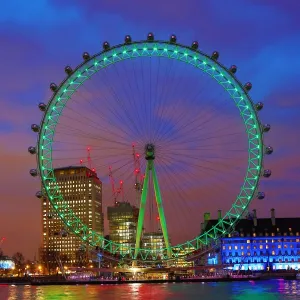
(39, 37)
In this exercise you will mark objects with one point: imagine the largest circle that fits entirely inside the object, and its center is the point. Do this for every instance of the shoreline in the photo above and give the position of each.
(59, 281)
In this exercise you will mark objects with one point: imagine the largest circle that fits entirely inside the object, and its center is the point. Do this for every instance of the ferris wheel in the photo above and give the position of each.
(192, 122)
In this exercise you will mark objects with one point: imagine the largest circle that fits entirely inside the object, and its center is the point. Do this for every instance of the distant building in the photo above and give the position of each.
(122, 220)
(6, 263)
(153, 241)
(82, 191)
(260, 244)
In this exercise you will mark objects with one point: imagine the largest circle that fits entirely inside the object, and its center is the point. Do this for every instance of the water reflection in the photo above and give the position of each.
(266, 290)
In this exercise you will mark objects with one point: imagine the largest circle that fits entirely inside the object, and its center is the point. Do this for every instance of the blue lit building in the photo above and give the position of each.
(260, 244)
(6, 263)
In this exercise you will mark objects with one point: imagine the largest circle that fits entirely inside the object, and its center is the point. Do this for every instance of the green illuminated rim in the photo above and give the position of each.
(135, 50)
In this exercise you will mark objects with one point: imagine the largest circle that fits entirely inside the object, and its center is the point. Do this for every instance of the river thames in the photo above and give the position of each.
(266, 290)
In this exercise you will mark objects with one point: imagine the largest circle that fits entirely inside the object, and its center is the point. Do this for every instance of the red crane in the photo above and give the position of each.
(89, 160)
(116, 191)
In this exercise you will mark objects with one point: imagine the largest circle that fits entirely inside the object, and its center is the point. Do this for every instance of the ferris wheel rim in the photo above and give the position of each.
(253, 128)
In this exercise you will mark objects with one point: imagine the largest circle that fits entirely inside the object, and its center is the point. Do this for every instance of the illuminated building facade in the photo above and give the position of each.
(123, 219)
(6, 263)
(261, 244)
(82, 191)
(181, 262)
(153, 241)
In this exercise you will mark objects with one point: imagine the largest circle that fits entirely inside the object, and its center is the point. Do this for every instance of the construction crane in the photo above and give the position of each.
(88, 160)
(116, 191)
(139, 178)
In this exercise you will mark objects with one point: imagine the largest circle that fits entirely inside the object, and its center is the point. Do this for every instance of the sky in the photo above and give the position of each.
(38, 38)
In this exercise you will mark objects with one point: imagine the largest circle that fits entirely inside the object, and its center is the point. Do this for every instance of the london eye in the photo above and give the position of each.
(185, 121)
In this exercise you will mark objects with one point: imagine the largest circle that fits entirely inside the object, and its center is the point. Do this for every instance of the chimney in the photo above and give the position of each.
(219, 214)
(206, 219)
(273, 217)
(254, 218)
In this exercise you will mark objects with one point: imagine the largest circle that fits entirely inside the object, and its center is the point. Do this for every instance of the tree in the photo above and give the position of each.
(19, 261)
(81, 257)
(48, 259)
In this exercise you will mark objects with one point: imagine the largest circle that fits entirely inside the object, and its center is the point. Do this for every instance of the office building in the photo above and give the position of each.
(82, 191)
(122, 220)
(153, 241)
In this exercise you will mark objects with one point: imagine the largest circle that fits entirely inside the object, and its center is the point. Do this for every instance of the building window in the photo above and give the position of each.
(248, 241)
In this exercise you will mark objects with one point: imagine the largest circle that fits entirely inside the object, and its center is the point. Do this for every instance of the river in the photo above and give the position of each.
(265, 290)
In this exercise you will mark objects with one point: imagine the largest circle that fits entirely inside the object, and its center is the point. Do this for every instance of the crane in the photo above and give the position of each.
(119, 190)
(88, 160)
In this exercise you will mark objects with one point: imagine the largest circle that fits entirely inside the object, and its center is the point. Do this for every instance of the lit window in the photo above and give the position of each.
(248, 241)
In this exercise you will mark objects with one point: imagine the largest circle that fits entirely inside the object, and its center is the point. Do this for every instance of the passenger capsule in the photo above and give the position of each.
(266, 127)
(35, 128)
(233, 69)
(39, 194)
(53, 87)
(106, 46)
(150, 37)
(64, 233)
(33, 172)
(248, 86)
(269, 150)
(86, 56)
(267, 173)
(173, 39)
(259, 106)
(68, 70)
(127, 39)
(260, 195)
(42, 106)
(32, 150)
(195, 45)
(215, 55)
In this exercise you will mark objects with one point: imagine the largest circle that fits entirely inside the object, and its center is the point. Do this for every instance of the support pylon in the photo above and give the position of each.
(149, 151)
